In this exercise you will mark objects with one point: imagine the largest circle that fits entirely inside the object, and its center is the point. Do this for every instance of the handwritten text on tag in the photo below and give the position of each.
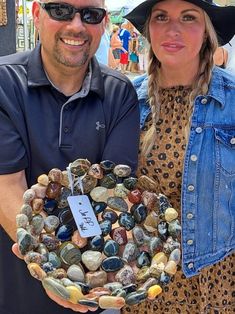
(84, 216)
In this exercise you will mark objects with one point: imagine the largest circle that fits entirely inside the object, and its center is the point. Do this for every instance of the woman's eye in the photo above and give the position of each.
(188, 18)
(161, 17)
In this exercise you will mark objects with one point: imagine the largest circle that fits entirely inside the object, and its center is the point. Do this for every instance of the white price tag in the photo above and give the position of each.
(84, 216)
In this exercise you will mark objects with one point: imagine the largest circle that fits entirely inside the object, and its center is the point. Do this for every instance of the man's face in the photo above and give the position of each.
(68, 43)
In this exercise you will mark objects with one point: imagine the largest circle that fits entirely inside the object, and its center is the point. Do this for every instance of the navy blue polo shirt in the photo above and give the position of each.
(40, 128)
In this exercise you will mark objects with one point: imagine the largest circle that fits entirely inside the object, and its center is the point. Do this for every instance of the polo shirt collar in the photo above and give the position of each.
(37, 76)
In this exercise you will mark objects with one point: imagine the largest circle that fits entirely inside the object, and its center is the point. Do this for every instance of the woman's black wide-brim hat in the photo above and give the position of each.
(222, 18)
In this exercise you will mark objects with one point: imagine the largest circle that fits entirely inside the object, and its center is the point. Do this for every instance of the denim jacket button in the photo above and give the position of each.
(190, 216)
(198, 130)
(193, 157)
(190, 265)
(191, 188)
(232, 141)
(204, 101)
(190, 242)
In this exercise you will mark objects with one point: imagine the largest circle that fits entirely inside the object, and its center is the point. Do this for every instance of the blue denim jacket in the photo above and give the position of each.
(208, 187)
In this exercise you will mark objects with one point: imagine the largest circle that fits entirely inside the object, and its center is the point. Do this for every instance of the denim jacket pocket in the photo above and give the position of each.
(225, 150)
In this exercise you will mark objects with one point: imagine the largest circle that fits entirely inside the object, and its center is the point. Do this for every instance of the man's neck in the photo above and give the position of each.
(67, 83)
(67, 80)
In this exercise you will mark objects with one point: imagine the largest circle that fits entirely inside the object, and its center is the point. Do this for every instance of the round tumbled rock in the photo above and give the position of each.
(22, 221)
(28, 196)
(171, 214)
(99, 194)
(96, 171)
(122, 171)
(51, 223)
(76, 273)
(43, 180)
(79, 167)
(55, 175)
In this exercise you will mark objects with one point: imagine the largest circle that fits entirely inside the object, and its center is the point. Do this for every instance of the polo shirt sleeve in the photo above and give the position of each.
(12, 150)
(122, 142)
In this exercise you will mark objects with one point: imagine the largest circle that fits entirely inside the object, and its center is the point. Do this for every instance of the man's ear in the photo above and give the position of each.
(105, 22)
(36, 13)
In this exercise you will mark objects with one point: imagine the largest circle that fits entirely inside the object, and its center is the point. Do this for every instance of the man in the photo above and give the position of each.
(125, 37)
(56, 105)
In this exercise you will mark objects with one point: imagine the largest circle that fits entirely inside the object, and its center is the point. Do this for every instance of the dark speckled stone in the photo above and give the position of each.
(96, 243)
(111, 264)
(127, 221)
(111, 248)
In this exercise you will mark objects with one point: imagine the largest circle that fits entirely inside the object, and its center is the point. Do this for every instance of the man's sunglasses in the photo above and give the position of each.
(66, 12)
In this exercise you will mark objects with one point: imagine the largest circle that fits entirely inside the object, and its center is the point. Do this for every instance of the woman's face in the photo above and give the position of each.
(177, 32)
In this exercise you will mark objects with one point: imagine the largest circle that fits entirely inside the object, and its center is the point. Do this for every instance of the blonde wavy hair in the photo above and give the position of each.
(200, 85)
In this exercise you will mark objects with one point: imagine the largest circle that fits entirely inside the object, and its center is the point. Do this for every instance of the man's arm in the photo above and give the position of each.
(12, 188)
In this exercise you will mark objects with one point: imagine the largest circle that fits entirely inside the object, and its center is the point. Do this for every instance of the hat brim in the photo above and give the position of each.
(222, 18)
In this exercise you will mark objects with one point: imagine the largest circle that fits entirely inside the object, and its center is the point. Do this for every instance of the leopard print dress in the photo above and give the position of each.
(213, 291)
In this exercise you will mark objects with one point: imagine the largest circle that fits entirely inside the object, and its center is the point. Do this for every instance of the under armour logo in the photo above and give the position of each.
(99, 126)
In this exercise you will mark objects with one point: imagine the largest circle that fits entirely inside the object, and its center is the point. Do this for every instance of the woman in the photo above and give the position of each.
(116, 47)
(187, 147)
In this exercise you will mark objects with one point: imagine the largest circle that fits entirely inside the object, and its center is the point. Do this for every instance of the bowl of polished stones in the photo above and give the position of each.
(97, 236)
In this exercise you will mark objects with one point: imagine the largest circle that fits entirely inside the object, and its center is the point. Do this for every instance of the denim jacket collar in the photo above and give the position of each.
(216, 88)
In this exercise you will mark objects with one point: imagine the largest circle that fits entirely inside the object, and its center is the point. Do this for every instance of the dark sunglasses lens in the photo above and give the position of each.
(92, 15)
(60, 12)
